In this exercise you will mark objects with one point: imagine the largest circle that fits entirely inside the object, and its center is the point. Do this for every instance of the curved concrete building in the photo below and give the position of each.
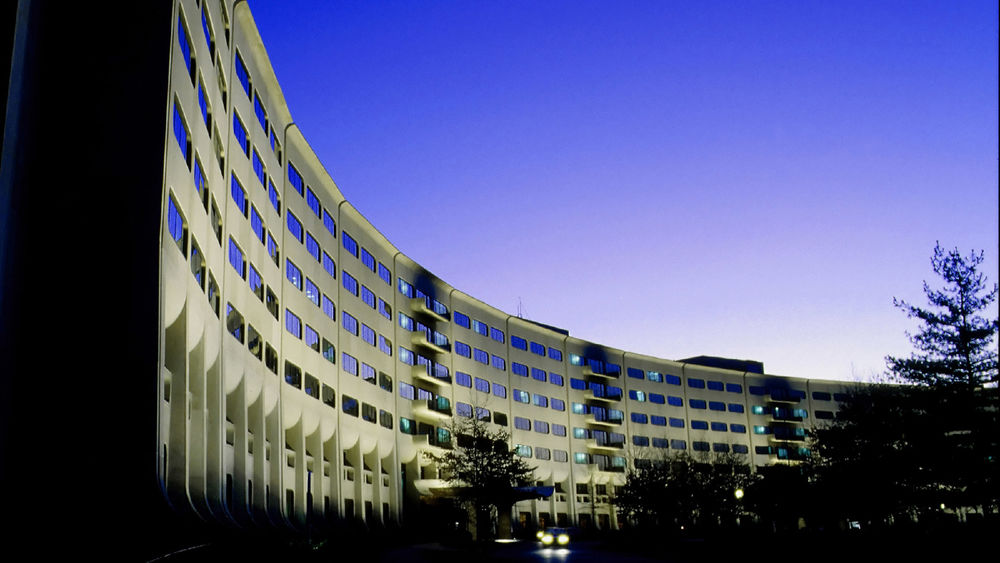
(305, 363)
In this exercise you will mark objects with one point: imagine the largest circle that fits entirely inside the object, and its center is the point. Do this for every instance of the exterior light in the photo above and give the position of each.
(738, 494)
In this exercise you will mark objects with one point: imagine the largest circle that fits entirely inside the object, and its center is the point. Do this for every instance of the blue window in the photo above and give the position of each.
(367, 259)
(672, 379)
(272, 249)
(700, 446)
(294, 226)
(312, 292)
(738, 428)
(555, 354)
(185, 44)
(481, 384)
(175, 223)
(518, 342)
(384, 309)
(655, 376)
(463, 379)
(240, 132)
(735, 407)
(349, 323)
(719, 427)
(757, 390)
(497, 334)
(385, 345)
(275, 145)
(677, 422)
(499, 390)
(538, 374)
(293, 273)
(612, 369)
(350, 284)
(329, 265)
(637, 395)
(636, 373)
(385, 274)
(258, 109)
(715, 385)
(239, 196)
(541, 427)
(661, 443)
(462, 319)
(555, 379)
(272, 193)
(699, 425)
(519, 395)
(678, 444)
(295, 179)
(350, 365)
(578, 384)
(716, 405)
(199, 178)
(821, 396)
(329, 309)
(203, 104)
(463, 409)
(541, 400)
(368, 297)
(658, 420)
(657, 398)
(480, 327)
(639, 418)
(463, 349)
(558, 404)
(696, 383)
(256, 282)
(522, 423)
(258, 168)
(313, 202)
(697, 404)
(242, 74)
(312, 247)
(675, 401)
(498, 362)
(734, 388)
(181, 134)
(406, 322)
(519, 369)
(292, 324)
(367, 334)
(236, 258)
(640, 440)
(350, 244)
(480, 356)
(257, 224)
(537, 348)
(559, 430)
(329, 223)
(740, 449)
(312, 338)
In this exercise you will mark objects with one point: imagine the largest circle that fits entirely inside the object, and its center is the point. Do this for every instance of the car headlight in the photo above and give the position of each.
(547, 539)
(563, 539)
(539, 534)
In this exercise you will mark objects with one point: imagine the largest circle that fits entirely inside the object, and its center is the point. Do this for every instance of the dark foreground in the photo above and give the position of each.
(812, 547)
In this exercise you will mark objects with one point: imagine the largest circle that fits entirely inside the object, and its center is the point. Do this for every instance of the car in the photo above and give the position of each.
(554, 537)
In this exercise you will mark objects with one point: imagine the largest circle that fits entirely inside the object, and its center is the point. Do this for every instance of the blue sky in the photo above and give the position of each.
(745, 179)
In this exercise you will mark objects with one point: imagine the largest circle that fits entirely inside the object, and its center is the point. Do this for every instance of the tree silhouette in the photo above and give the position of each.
(955, 344)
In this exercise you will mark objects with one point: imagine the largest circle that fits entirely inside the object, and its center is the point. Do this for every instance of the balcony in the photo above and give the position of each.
(589, 373)
(420, 341)
(605, 446)
(430, 441)
(602, 397)
(425, 373)
(434, 409)
(603, 421)
(422, 306)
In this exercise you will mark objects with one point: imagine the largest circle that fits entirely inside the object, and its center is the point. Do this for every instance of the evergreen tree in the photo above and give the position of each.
(955, 344)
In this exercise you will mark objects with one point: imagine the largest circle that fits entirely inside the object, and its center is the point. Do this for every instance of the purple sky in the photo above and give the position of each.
(744, 179)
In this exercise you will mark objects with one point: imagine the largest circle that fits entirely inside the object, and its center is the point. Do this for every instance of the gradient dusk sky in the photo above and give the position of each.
(753, 180)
